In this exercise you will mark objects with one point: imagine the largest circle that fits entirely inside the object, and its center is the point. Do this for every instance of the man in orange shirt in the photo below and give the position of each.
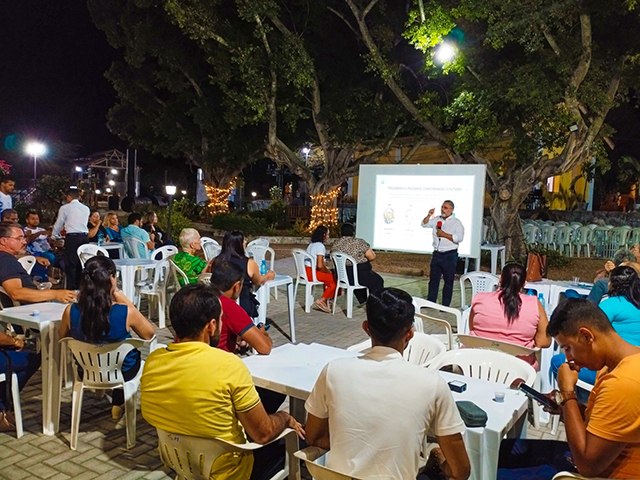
(605, 440)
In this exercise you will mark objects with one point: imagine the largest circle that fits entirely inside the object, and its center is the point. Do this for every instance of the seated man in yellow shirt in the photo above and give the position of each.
(191, 388)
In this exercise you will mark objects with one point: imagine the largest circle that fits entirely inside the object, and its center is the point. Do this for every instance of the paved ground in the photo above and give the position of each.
(101, 453)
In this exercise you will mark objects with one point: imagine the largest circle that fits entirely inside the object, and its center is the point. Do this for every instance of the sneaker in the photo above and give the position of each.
(116, 412)
(320, 305)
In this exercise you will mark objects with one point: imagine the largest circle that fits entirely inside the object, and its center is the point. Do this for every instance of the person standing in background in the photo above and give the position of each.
(7, 186)
(72, 218)
(448, 232)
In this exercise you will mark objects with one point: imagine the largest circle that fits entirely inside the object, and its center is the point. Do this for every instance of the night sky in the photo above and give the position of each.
(53, 64)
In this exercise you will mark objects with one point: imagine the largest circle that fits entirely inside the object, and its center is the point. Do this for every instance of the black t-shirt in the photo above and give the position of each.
(11, 268)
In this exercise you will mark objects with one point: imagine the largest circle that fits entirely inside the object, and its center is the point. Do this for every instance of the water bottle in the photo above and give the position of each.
(541, 299)
(100, 239)
(263, 267)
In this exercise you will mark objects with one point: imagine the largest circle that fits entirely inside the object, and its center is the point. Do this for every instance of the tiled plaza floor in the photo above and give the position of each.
(101, 453)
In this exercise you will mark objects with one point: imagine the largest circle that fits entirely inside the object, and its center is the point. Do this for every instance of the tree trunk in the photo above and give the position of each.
(506, 219)
(324, 206)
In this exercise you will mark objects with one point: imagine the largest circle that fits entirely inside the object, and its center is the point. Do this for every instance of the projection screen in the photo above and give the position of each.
(393, 200)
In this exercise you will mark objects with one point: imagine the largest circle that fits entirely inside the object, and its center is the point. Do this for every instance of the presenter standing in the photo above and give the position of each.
(448, 232)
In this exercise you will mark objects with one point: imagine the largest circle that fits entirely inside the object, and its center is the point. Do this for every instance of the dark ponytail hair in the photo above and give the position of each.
(232, 245)
(624, 282)
(512, 280)
(94, 298)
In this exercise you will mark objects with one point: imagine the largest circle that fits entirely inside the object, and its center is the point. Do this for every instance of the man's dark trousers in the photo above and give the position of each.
(443, 264)
(72, 267)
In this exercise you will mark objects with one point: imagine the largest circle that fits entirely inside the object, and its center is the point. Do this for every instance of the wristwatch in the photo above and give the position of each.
(564, 397)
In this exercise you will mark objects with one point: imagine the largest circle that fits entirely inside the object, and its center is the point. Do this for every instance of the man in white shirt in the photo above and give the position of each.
(448, 232)
(374, 412)
(7, 185)
(72, 218)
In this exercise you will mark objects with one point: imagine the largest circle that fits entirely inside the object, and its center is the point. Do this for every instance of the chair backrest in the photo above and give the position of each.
(480, 282)
(135, 248)
(260, 252)
(178, 273)
(422, 348)
(583, 234)
(472, 341)
(210, 248)
(300, 258)
(342, 261)
(420, 303)
(102, 364)
(531, 232)
(574, 476)
(205, 278)
(86, 251)
(193, 457)
(313, 458)
(27, 262)
(490, 365)
(429, 322)
(564, 233)
(162, 253)
(263, 242)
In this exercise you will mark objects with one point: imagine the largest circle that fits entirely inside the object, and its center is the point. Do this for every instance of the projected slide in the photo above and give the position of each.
(393, 200)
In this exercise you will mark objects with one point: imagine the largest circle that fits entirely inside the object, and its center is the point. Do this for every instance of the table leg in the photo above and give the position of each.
(262, 294)
(494, 261)
(502, 257)
(296, 409)
(291, 304)
(50, 353)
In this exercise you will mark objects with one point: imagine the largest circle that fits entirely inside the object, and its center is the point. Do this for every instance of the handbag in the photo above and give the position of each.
(472, 415)
(536, 267)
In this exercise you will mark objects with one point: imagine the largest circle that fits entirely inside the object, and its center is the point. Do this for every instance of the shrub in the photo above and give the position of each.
(250, 225)
(554, 257)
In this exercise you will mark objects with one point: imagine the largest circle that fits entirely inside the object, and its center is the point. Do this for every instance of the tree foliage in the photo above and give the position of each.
(531, 87)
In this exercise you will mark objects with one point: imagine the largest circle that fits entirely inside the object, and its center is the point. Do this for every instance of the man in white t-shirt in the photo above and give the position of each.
(374, 412)
(7, 185)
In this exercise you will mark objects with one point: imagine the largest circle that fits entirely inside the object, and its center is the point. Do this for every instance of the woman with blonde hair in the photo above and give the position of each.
(111, 224)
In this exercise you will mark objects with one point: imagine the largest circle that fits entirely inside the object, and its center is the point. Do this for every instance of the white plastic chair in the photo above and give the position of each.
(582, 238)
(27, 262)
(102, 365)
(490, 365)
(531, 233)
(421, 350)
(480, 282)
(178, 273)
(574, 476)
(210, 248)
(420, 303)
(86, 251)
(548, 236)
(634, 237)
(193, 457)
(15, 398)
(164, 252)
(564, 242)
(259, 253)
(300, 258)
(618, 238)
(314, 459)
(446, 339)
(341, 260)
(157, 289)
(264, 242)
(600, 240)
(134, 247)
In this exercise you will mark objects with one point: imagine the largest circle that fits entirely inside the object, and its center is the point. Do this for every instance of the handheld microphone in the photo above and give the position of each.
(439, 225)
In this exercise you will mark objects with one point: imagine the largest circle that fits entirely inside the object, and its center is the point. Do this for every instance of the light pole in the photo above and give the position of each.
(35, 149)
(171, 191)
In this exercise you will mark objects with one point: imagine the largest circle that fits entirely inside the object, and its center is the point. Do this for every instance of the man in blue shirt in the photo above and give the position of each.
(134, 230)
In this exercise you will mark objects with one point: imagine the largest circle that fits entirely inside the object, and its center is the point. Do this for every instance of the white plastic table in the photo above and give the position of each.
(262, 294)
(128, 268)
(293, 370)
(495, 249)
(47, 322)
(119, 247)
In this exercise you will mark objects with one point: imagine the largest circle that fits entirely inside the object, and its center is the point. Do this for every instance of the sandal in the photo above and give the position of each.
(320, 305)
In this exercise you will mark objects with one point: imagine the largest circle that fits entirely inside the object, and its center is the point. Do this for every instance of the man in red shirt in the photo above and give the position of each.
(236, 323)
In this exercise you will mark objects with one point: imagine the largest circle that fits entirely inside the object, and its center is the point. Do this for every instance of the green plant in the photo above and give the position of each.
(301, 227)
(48, 194)
(178, 221)
(247, 224)
(554, 257)
(275, 216)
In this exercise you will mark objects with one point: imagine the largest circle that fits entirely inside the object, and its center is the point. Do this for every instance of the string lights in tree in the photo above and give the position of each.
(218, 197)
(324, 210)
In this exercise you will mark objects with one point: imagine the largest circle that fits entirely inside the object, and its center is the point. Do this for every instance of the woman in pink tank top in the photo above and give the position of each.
(509, 315)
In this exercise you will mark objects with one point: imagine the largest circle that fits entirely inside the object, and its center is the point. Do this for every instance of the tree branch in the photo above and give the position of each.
(582, 69)
(550, 39)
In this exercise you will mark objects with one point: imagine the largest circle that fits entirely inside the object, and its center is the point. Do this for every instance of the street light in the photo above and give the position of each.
(35, 149)
(114, 171)
(445, 52)
(171, 191)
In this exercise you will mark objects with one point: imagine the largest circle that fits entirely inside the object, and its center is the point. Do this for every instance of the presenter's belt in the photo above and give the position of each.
(448, 252)
(76, 233)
